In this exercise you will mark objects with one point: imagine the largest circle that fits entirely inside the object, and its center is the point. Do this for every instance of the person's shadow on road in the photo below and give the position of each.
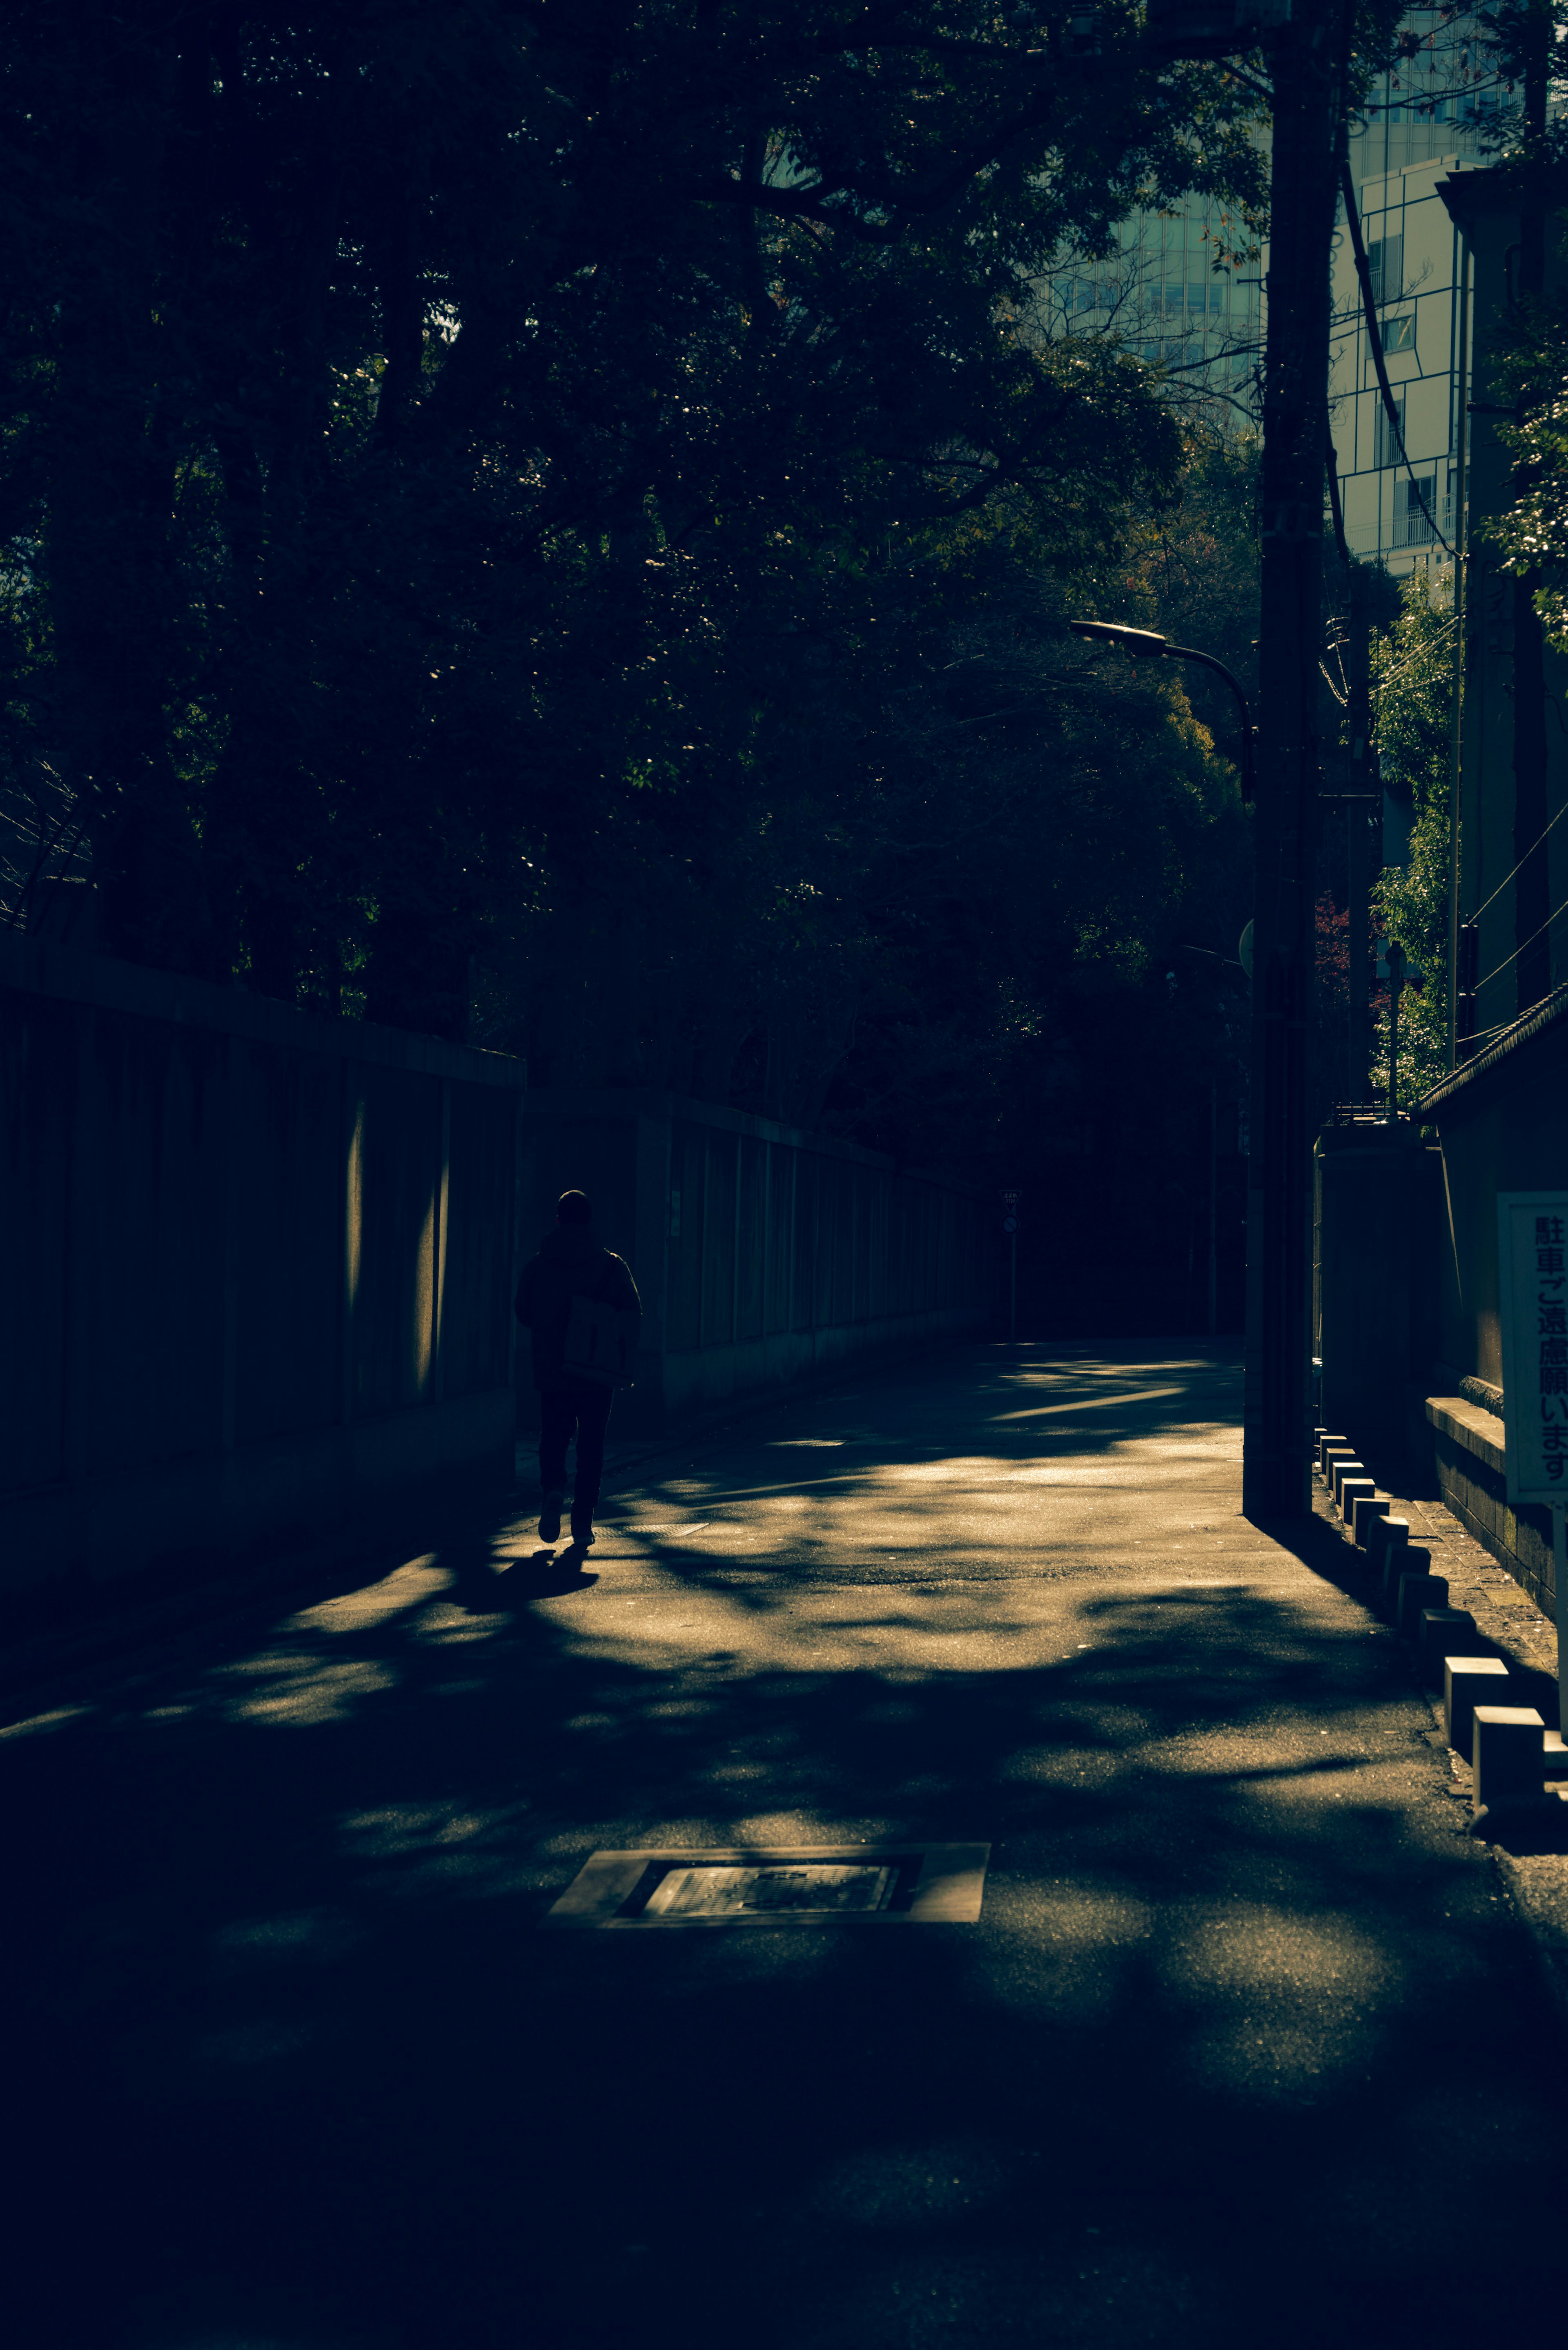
(544, 1573)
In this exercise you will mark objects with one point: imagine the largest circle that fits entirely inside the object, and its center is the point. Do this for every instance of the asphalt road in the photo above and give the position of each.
(1246, 2047)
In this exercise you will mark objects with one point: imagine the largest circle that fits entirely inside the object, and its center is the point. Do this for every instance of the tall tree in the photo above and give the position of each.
(433, 436)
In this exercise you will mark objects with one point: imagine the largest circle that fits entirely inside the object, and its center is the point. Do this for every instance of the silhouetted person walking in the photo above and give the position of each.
(579, 1305)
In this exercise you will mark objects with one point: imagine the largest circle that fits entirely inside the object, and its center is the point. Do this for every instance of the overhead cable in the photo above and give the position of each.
(1519, 950)
(1518, 868)
(1388, 676)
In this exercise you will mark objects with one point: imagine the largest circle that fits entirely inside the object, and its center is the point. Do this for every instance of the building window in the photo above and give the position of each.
(1386, 450)
(1399, 334)
(1386, 255)
(1412, 527)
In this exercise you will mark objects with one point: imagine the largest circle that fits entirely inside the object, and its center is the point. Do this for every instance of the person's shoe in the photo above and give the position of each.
(550, 1518)
(582, 1536)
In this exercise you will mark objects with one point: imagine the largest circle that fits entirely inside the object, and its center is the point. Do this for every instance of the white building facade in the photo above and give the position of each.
(1429, 115)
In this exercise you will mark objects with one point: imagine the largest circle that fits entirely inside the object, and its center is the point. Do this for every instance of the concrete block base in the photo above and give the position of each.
(1366, 1507)
(1418, 1591)
(1443, 1632)
(1508, 1756)
(1351, 1491)
(1387, 1541)
(1466, 1679)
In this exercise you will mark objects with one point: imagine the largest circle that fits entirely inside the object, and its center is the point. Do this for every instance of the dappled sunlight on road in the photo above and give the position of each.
(282, 1892)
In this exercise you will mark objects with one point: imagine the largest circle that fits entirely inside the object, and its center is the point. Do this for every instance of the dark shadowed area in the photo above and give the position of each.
(1246, 2043)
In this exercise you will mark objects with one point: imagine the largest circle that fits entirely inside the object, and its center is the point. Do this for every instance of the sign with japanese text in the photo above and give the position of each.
(1533, 1292)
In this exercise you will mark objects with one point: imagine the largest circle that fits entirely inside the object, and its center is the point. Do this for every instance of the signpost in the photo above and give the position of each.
(1533, 1292)
(1010, 1226)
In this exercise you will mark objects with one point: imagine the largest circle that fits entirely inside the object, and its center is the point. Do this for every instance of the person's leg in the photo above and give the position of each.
(593, 1409)
(556, 1416)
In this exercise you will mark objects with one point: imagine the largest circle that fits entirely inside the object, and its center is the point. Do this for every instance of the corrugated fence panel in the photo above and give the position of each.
(782, 1163)
(289, 1174)
(37, 1122)
(719, 1242)
(751, 1250)
(688, 1183)
(156, 1252)
(803, 1315)
(394, 1294)
(476, 1305)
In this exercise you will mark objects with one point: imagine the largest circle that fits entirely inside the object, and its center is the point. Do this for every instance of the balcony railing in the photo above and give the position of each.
(1411, 526)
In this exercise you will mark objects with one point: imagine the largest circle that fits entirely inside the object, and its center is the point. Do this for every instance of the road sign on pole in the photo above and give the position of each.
(1533, 1292)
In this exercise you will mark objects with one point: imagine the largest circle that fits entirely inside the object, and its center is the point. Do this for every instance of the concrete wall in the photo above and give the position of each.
(1377, 1215)
(761, 1253)
(1472, 1462)
(1502, 1123)
(259, 1272)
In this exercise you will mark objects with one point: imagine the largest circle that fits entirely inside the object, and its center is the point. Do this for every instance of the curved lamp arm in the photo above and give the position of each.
(1158, 647)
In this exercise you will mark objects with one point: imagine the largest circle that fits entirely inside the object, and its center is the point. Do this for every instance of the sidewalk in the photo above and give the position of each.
(279, 1905)
(1508, 1620)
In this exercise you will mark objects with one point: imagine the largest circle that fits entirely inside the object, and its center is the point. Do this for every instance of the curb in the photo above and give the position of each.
(1535, 1883)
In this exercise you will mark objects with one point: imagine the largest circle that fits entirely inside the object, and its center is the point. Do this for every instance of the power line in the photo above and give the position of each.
(1388, 676)
(1518, 868)
(1519, 950)
(1489, 1035)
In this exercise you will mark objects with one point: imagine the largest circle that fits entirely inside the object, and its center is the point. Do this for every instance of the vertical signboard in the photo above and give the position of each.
(1532, 1294)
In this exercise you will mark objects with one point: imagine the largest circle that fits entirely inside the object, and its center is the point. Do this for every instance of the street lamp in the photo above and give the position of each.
(1144, 644)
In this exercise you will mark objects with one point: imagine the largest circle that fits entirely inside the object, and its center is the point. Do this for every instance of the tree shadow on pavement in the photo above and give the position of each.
(1243, 2027)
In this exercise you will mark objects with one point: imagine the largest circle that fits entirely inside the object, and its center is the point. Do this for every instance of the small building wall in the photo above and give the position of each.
(1376, 1196)
(1502, 1122)
(761, 1253)
(259, 1272)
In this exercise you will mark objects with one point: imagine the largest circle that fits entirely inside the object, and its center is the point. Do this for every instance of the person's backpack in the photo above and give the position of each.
(595, 1349)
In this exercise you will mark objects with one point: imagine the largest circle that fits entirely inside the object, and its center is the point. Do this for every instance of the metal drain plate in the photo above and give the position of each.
(802, 1884)
(769, 1891)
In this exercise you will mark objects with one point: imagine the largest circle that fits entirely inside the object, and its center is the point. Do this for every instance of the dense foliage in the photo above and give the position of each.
(1533, 535)
(1412, 684)
(445, 448)
(558, 524)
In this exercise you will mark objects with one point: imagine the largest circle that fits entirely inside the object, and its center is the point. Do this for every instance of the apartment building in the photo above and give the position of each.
(1429, 116)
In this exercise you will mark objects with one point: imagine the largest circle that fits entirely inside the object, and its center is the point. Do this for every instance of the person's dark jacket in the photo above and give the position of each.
(571, 1263)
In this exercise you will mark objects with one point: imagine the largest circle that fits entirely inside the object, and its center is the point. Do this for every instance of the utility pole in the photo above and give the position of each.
(1213, 1206)
(1463, 937)
(1532, 897)
(1309, 60)
(1357, 828)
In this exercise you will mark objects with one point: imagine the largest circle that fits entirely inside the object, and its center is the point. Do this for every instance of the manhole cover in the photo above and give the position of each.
(720, 1892)
(921, 1885)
